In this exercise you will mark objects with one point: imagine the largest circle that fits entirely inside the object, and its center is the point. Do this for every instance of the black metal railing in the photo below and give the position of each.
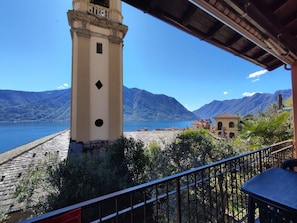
(209, 193)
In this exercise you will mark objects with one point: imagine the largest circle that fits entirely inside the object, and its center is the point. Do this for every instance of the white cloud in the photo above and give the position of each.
(256, 80)
(226, 92)
(257, 74)
(248, 94)
(63, 86)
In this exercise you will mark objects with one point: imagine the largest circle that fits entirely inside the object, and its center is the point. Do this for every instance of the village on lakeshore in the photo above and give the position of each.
(226, 126)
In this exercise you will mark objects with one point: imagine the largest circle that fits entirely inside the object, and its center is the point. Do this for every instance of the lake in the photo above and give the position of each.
(16, 134)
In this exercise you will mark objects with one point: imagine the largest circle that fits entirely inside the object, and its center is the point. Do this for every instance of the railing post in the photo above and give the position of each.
(261, 163)
(178, 201)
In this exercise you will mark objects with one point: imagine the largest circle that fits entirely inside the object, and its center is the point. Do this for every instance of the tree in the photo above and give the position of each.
(267, 128)
(126, 161)
(3, 213)
(192, 148)
(155, 156)
(54, 184)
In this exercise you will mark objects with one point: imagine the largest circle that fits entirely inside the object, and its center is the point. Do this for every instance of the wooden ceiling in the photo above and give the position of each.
(261, 31)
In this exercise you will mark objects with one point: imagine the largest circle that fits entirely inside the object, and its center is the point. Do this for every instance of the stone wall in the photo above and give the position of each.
(161, 137)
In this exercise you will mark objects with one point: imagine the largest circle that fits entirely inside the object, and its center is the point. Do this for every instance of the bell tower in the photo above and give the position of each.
(97, 72)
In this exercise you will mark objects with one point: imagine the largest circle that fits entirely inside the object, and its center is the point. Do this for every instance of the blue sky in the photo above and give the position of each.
(35, 55)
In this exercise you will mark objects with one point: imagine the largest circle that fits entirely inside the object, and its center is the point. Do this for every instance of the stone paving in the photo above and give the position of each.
(15, 163)
(161, 137)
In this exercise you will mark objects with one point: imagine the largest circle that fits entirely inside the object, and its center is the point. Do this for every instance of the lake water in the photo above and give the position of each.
(17, 134)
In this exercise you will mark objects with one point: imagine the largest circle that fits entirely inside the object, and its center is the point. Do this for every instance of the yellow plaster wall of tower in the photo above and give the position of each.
(93, 24)
(99, 98)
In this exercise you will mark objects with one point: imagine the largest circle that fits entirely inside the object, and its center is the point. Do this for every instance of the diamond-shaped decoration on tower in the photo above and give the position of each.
(99, 85)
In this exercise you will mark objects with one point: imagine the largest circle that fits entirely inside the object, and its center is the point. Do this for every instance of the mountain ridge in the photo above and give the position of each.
(156, 107)
(54, 106)
(23, 106)
(139, 105)
(259, 102)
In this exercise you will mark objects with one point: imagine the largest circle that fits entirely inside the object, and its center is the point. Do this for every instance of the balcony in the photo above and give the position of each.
(98, 10)
(209, 193)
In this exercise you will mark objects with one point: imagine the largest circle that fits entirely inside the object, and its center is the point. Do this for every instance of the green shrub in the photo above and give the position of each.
(54, 184)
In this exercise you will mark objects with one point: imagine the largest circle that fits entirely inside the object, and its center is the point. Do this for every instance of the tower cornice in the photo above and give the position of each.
(86, 19)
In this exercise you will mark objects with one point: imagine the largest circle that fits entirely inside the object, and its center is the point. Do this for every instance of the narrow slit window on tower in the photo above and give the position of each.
(99, 48)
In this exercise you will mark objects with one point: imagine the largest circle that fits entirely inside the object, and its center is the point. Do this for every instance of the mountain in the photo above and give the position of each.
(141, 105)
(248, 105)
(54, 106)
(47, 106)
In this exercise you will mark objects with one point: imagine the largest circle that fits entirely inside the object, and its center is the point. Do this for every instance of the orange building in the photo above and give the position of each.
(202, 124)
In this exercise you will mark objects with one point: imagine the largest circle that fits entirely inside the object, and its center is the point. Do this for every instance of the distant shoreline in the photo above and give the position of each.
(125, 121)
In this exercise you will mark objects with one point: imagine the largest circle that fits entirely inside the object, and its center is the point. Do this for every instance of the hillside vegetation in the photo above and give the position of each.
(139, 105)
(47, 106)
(54, 106)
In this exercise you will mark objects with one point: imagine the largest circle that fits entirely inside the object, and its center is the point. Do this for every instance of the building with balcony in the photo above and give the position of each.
(226, 125)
